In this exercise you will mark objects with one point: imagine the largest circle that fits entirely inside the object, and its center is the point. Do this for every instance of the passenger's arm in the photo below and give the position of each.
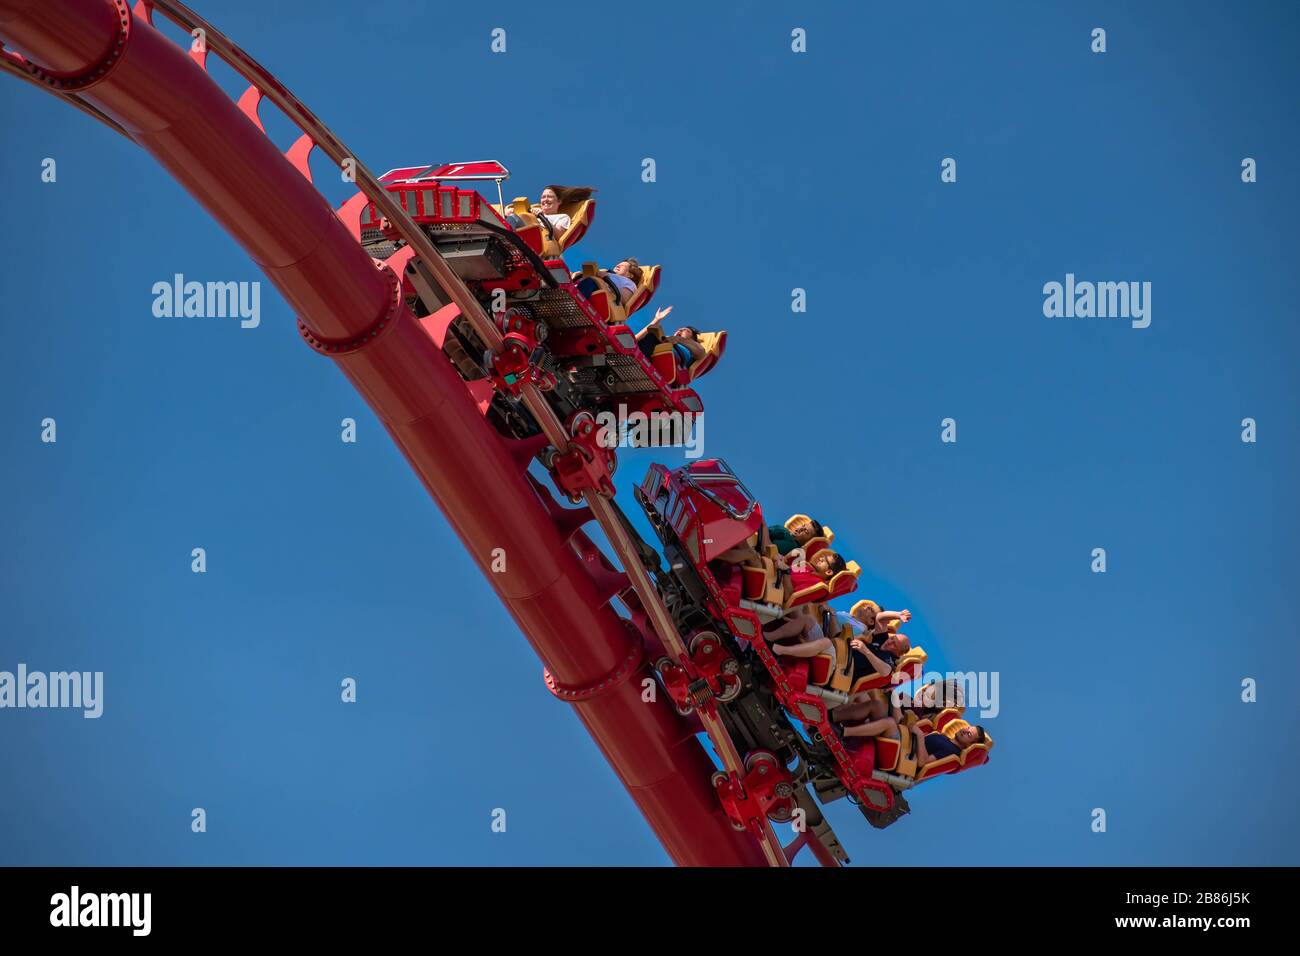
(884, 617)
(697, 350)
(922, 755)
(660, 315)
(558, 223)
(879, 666)
(795, 625)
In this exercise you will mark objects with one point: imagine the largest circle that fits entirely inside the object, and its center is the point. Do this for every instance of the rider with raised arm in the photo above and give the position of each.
(866, 616)
(686, 340)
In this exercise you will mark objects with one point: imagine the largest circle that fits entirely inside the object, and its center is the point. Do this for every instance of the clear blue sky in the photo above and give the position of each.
(775, 171)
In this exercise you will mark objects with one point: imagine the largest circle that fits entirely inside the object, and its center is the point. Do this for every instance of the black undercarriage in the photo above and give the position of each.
(581, 381)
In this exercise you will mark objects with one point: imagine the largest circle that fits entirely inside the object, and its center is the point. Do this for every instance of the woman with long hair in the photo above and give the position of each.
(553, 198)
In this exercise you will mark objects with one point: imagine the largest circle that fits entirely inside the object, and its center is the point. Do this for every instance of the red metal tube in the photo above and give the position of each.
(174, 110)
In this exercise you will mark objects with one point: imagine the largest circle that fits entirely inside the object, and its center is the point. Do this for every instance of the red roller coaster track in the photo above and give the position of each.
(105, 58)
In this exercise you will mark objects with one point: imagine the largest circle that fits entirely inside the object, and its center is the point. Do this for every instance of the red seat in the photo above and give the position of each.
(846, 582)
(973, 756)
(580, 216)
(645, 289)
(888, 751)
(808, 588)
(665, 362)
(946, 717)
(730, 580)
(908, 667)
(874, 753)
(820, 669)
(812, 546)
(754, 582)
(870, 681)
(715, 343)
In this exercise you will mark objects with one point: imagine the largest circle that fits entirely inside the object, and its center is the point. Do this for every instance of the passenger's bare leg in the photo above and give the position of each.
(741, 554)
(806, 649)
(886, 726)
(789, 628)
(851, 713)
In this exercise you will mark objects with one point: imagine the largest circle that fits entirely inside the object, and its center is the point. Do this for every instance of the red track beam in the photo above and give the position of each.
(171, 108)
